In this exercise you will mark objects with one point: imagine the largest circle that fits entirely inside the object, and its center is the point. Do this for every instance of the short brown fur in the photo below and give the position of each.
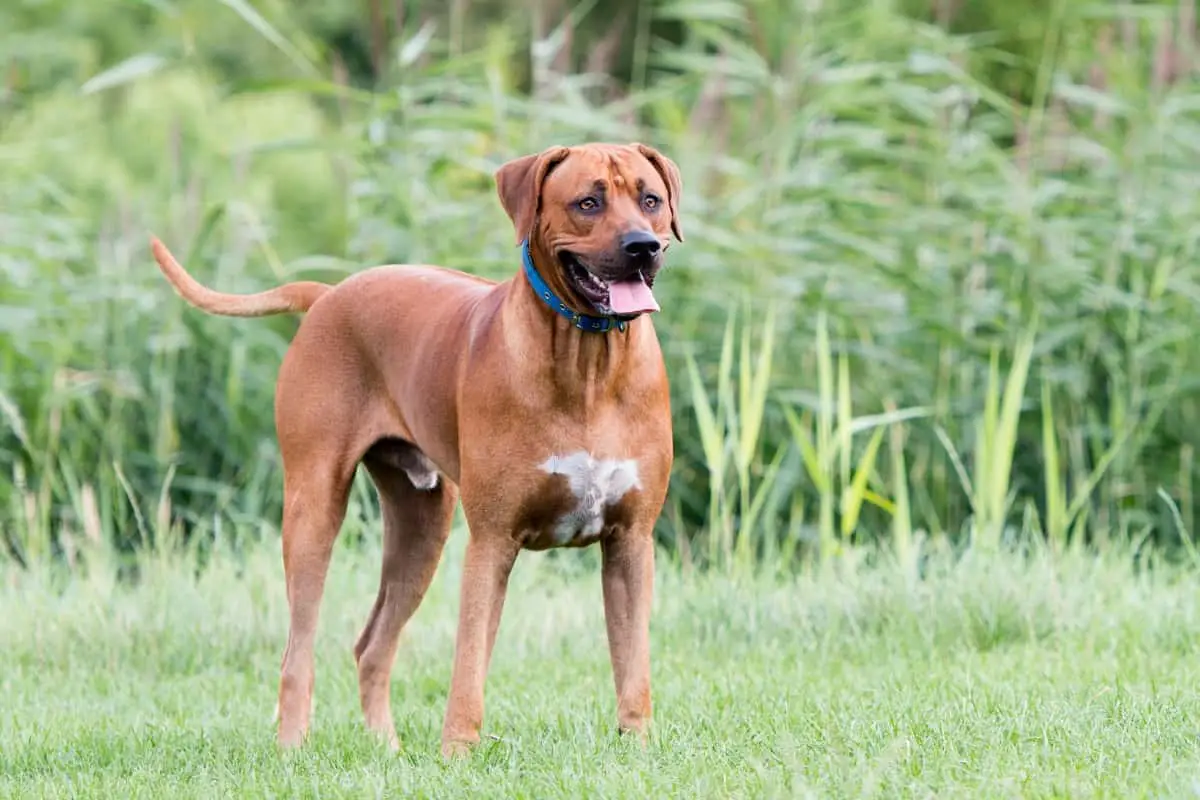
(407, 368)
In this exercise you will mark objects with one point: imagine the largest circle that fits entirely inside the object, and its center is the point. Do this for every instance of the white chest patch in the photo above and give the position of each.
(595, 483)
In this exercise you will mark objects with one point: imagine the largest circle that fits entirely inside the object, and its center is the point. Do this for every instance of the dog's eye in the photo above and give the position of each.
(588, 204)
(651, 202)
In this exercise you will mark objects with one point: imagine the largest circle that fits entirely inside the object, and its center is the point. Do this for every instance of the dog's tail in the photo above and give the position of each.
(291, 297)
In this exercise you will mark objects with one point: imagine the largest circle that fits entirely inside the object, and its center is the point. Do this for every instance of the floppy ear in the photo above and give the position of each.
(670, 175)
(519, 184)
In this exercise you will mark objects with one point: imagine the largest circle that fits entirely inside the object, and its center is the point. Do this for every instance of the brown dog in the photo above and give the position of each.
(543, 400)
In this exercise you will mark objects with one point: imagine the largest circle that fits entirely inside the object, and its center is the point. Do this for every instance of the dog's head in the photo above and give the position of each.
(603, 214)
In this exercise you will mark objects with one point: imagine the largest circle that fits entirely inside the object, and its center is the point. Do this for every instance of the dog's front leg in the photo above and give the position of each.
(488, 563)
(628, 577)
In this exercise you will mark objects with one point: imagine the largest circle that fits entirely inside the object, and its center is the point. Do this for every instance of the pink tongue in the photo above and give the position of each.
(631, 297)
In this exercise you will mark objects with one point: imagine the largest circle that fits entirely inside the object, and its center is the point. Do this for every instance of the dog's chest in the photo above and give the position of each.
(582, 494)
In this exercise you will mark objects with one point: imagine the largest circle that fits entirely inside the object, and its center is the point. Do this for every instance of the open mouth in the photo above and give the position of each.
(627, 297)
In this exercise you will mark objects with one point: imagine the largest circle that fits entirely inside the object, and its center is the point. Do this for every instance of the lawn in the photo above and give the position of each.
(996, 676)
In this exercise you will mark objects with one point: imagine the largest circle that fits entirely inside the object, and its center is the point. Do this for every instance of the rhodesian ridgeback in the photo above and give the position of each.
(541, 401)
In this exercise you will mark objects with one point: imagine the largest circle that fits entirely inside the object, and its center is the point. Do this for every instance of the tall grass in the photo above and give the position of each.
(908, 307)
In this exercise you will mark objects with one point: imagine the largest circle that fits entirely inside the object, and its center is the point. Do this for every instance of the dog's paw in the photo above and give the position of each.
(388, 739)
(635, 730)
(458, 748)
(289, 740)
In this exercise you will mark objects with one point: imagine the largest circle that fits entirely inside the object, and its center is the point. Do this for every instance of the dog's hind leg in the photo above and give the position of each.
(417, 511)
(314, 507)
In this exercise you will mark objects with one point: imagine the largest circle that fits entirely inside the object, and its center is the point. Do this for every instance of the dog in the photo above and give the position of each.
(541, 403)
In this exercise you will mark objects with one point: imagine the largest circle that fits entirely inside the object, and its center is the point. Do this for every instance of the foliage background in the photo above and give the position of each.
(938, 278)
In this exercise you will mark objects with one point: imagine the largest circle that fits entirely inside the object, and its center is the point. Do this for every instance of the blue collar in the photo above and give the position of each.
(581, 321)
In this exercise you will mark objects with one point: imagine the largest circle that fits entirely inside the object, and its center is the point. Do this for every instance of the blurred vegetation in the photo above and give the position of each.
(938, 280)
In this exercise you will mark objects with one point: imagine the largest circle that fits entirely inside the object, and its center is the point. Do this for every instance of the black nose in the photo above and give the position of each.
(640, 244)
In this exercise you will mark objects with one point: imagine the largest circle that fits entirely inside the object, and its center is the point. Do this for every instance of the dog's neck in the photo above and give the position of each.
(585, 366)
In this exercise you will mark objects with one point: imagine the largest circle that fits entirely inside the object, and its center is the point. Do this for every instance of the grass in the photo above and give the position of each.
(998, 675)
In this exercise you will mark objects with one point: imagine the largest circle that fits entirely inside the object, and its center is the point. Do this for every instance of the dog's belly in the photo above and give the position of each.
(581, 498)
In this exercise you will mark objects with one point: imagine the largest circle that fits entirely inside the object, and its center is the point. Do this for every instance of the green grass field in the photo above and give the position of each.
(998, 676)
